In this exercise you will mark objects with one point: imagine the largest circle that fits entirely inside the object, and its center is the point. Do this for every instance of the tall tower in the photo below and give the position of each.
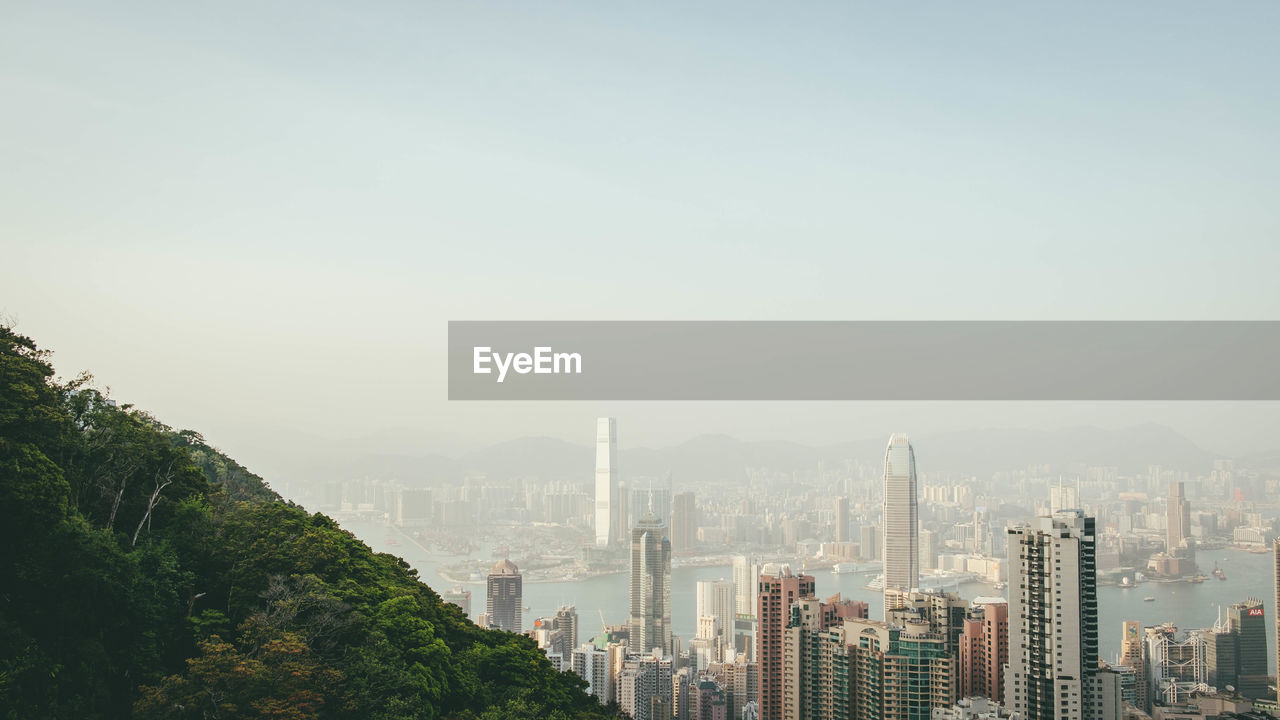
(1053, 620)
(684, 521)
(1132, 655)
(650, 586)
(1178, 518)
(505, 597)
(1276, 609)
(779, 589)
(715, 599)
(901, 521)
(1248, 621)
(842, 519)
(608, 526)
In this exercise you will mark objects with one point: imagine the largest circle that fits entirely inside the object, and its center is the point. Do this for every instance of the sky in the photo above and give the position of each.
(255, 219)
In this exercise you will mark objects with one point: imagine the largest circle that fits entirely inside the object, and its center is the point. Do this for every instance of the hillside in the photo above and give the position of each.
(146, 574)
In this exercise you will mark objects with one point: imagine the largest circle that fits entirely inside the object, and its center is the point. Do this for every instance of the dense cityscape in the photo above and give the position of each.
(963, 597)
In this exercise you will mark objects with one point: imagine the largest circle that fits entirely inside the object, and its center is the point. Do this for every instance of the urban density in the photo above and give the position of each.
(867, 591)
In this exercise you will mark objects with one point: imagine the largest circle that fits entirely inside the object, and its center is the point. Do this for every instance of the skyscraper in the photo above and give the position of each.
(1132, 656)
(684, 521)
(608, 524)
(505, 596)
(1053, 620)
(1177, 519)
(745, 583)
(460, 597)
(842, 519)
(779, 589)
(1275, 554)
(715, 600)
(1247, 620)
(650, 586)
(901, 521)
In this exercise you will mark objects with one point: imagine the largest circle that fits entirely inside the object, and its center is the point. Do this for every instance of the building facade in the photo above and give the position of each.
(609, 511)
(779, 589)
(650, 586)
(901, 521)
(504, 597)
(1053, 620)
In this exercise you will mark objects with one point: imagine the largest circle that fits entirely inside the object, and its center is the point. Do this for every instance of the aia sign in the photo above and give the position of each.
(1255, 612)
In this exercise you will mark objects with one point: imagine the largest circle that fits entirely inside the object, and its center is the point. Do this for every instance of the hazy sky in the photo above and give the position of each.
(256, 218)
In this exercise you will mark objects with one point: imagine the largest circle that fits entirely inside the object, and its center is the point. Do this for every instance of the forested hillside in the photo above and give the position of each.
(144, 574)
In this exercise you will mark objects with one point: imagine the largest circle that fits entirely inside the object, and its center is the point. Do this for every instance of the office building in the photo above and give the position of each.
(609, 517)
(842, 520)
(1053, 620)
(1177, 520)
(1133, 655)
(504, 597)
(1247, 620)
(901, 521)
(650, 586)
(745, 583)
(716, 600)
(684, 522)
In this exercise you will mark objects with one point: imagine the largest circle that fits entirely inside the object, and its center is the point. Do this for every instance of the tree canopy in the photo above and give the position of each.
(146, 574)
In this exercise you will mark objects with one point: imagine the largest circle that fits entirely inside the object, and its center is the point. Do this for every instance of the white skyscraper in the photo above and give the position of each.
(716, 600)
(901, 522)
(1053, 620)
(745, 573)
(609, 527)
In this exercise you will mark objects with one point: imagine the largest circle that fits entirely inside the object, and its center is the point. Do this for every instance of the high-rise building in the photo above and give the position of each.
(746, 573)
(869, 543)
(984, 649)
(1178, 519)
(647, 498)
(895, 672)
(684, 522)
(460, 597)
(928, 550)
(901, 521)
(609, 524)
(592, 664)
(650, 586)
(842, 519)
(715, 600)
(1275, 554)
(779, 589)
(566, 620)
(943, 612)
(815, 670)
(645, 690)
(505, 596)
(1247, 620)
(1221, 656)
(1175, 664)
(1133, 655)
(1053, 620)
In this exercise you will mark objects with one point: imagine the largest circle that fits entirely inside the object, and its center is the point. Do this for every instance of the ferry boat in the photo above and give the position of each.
(1148, 599)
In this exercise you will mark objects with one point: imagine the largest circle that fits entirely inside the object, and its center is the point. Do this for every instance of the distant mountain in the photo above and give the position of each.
(724, 458)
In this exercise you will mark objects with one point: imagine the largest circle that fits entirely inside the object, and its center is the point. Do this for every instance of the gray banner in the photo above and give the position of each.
(714, 360)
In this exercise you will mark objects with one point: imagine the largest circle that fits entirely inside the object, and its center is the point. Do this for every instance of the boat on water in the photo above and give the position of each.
(1148, 599)
(1218, 573)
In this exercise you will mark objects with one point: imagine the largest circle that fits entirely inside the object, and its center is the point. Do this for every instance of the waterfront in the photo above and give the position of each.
(1187, 605)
